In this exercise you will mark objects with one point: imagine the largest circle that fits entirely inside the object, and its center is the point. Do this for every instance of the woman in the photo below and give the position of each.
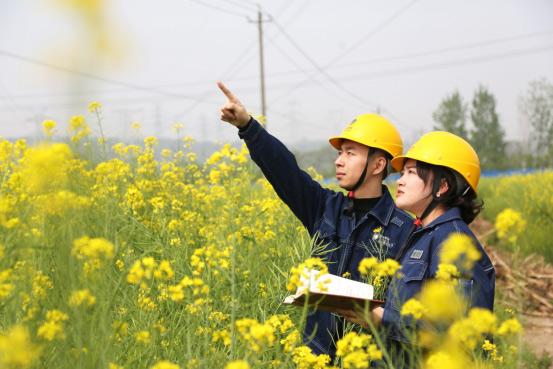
(439, 177)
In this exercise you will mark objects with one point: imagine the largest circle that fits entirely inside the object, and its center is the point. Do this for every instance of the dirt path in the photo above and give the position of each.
(538, 334)
(538, 326)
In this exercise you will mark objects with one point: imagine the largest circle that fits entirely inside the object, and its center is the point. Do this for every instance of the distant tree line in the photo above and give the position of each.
(479, 123)
(486, 134)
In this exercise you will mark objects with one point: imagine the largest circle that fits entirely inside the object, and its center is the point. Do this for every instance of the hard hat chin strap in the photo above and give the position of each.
(432, 205)
(351, 193)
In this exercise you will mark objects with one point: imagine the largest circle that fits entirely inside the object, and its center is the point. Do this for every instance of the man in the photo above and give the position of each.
(346, 225)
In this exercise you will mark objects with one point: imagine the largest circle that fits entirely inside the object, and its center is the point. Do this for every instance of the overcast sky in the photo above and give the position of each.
(325, 62)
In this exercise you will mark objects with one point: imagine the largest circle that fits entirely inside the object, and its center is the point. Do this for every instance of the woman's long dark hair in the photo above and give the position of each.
(459, 194)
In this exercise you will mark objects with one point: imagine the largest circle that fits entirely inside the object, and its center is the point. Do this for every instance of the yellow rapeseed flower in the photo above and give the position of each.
(459, 249)
(82, 297)
(432, 297)
(6, 287)
(164, 364)
(164, 271)
(470, 330)
(492, 350)
(177, 127)
(446, 359)
(119, 264)
(78, 128)
(136, 126)
(16, 348)
(367, 265)
(301, 272)
(305, 359)
(48, 127)
(414, 308)
(145, 302)
(237, 364)
(94, 106)
(142, 337)
(387, 268)
(509, 326)
(222, 335)
(45, 168)
(52, 328)
(291, 341)
(94, 251)
(447, 272)
(509, 225)
(357, 350)
(150, 141)
(257, 335)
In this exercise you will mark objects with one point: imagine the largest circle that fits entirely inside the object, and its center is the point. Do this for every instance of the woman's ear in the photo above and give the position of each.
(444, 187)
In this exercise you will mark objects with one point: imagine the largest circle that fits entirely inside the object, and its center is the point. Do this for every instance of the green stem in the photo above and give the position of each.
(99, 120)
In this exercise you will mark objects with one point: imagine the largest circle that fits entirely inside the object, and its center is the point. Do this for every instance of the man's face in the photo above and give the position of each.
(350, 163)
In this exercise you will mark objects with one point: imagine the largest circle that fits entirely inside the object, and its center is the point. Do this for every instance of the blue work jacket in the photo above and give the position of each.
(419, 262)
(345, 239)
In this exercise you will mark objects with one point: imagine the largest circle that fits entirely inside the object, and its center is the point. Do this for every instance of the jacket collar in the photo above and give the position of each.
(384, 208)
(449, 215)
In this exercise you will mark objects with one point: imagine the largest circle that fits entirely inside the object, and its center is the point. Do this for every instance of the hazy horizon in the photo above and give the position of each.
(324, 64)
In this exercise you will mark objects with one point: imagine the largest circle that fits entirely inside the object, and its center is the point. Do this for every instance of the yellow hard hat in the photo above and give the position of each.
(447, 150)
(371, 130)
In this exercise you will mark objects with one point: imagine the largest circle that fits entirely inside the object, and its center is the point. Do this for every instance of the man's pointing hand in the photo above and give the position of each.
(233, 111)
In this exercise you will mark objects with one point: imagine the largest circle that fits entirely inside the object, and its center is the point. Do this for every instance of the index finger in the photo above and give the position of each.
(227, 92)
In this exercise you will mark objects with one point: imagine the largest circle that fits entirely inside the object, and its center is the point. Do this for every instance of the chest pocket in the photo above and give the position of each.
(413, 270)
(326, 231)
(413, 274)
(326, 240)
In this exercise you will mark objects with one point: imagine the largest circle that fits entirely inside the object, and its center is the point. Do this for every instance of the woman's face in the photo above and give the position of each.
(412, 194)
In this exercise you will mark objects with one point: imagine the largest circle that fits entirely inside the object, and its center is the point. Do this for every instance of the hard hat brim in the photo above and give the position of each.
(336, 142)
(398, 161)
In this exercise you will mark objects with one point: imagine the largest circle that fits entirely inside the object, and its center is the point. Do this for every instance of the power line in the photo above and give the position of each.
(92, 76)
(239, 63)
(431, 52)
(294, 15)
(381, 26)
(336, 83)
(447, 49)
(241, 55)
(376, 30)
(393, 72)
(70, 104)
(433, 66)
(238, 67)
(253, 3)
(466, 61)
(15, 108)
(242, 5)
(299, 68)
(286, 55)
(319, 68)
(223, 10)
